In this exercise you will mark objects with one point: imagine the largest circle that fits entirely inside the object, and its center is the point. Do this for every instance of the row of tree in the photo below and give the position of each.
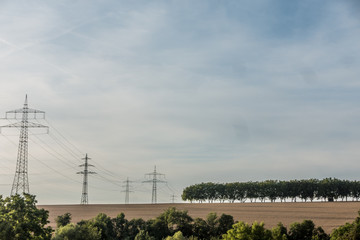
(20, 220)
(307, 190)
(178, 225)
(166, 224)
(304, 231)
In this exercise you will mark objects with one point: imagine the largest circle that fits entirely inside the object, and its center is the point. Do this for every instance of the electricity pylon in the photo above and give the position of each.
(127, 190)
(154, 182)
(21, 180)
(84, 195)
(172, 197)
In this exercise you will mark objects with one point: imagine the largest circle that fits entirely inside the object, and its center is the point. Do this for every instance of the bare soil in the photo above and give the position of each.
(328, 215)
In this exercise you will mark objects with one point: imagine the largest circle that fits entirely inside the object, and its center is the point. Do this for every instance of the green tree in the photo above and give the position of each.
(225, 223)
(189, 193)
(243, 231)
(63, 220)
(355, 190)
(213, 223)
(308, 189)
(213, 226)
(177, 236)
(293, 190)
(258, 232)
(201, 228)
(301, 231)
(344, 189)
(349, 231)
(83, 231)
(279, 232)
(306, 231)
(319, 234)
(21, 219)
(104, 225)
(135, 226)
(328, 189)
(143, 235)
(221, 192)
(271, 190)
(171, 221)
(252, 190)
(120, 224)
(158, 228)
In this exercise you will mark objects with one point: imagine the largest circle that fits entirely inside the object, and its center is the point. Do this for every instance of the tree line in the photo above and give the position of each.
(328, 189)
(175, 224)
(169, 223)
(20, 219)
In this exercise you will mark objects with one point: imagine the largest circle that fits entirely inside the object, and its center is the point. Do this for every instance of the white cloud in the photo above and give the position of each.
(231, 92)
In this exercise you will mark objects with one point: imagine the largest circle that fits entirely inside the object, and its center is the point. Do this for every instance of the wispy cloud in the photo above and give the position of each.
(211, 91)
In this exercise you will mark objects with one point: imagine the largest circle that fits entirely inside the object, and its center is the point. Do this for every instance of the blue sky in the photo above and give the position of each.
(205, 90)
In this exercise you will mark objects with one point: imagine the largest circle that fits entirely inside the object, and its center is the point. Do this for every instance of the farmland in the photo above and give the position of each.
(329, 215)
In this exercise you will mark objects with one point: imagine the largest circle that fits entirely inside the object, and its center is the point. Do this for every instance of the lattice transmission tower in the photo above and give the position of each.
(172, 198)
(155, 180)
(21, 179)
(127, 190)
(86, 165)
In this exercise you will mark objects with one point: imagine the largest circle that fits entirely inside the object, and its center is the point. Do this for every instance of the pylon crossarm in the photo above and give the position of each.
(12, 125)
(36, 125)
(28, 110)
(20, 110)
(20, 124)
(89, 165)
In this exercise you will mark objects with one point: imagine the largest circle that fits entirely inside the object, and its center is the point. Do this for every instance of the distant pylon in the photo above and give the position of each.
(84, 195)
(21, 179)
(173, 197)
(154, 182)
(127, 190)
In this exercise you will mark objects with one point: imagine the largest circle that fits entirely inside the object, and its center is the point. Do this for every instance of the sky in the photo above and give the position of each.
(206, 91)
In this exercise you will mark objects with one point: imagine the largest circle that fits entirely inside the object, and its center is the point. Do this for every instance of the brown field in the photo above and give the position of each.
(328, 215)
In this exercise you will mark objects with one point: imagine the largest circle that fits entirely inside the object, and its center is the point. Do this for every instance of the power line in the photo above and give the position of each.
(52, 127)
(108, 180)
(63, 146)
(69, 165)
(52, 154)
(107, 172)
(98, 166)
(69, 150)
(59, 139)
(33, 157)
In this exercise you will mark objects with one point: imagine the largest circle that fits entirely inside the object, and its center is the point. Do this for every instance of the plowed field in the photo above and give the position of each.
(328, 215)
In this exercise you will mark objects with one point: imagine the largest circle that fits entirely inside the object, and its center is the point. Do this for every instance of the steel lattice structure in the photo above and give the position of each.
(21, 180)
(127, 190)
(154, 182)
(84, 195)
